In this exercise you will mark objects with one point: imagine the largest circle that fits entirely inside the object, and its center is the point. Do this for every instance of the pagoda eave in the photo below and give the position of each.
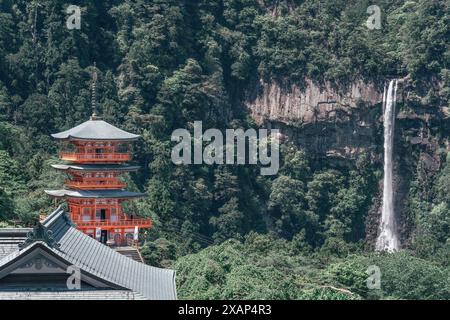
(94, 194)
(95, 167)
(110, 225)
(96, 130)
(74, 138)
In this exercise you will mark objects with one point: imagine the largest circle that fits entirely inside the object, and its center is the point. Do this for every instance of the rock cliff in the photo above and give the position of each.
(313, 103)
(337, 123)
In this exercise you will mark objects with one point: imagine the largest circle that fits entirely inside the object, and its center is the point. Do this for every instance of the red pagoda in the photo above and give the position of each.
(95, 153)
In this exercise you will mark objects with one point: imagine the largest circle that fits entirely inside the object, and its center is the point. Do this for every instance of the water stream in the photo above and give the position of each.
(388, 239)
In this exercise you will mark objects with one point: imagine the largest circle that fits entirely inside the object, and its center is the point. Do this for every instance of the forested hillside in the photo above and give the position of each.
(304, 233)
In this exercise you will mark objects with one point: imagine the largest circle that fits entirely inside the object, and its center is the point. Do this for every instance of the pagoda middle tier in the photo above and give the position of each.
(94, 176)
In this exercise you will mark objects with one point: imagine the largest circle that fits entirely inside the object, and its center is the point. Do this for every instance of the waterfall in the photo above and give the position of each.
(388, 239)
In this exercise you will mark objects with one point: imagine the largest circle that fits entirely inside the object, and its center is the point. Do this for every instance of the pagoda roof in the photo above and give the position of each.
(95, 167)
(58, 244)
(95, 129)
(93, 194)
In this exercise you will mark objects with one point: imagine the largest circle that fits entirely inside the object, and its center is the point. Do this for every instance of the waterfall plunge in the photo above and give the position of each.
(387, 239)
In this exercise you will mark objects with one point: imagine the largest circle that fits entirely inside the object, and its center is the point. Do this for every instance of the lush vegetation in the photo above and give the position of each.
(229, 232)
(263, 267)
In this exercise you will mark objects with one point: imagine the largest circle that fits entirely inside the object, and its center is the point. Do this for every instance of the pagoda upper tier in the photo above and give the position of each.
(96, 129)
(96, 141)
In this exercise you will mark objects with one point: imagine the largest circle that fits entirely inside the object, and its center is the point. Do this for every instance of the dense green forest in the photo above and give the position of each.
(228, 231)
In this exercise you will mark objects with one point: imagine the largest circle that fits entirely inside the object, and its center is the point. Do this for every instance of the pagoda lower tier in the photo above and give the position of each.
(98, 213)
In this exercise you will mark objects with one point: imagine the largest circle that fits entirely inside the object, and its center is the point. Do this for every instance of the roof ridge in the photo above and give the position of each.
(53, 217)
(14, 231)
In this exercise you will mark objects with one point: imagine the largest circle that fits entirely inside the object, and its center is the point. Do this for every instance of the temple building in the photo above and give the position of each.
(55, 261)
(95, 153)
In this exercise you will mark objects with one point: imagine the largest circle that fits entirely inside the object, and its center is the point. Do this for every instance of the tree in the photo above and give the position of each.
(6, 205)
(287, 206)
(12, 181)
(160, 253)
(229, 223)
(322, 190)
(296, 163)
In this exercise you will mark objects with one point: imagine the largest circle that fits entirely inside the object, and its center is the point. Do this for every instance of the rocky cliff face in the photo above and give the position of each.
(330, 122)
(310, 104)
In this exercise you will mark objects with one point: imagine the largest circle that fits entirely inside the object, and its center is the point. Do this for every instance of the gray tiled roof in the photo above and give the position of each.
(93, 194)
(71, 295)
(96, 130)
(95, 167)
(99, 260)
(10, 238)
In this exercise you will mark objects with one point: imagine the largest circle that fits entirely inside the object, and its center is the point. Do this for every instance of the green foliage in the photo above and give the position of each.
(407, 277)
(403, 276)
(264, 269)
(160, 252)
(429, 203)
(12, 181)
(287, 205)
(260, 269)
(6, 205)
(163, 64)
(351, 274)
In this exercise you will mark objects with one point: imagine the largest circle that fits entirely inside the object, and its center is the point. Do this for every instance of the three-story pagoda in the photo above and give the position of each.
(96, 153)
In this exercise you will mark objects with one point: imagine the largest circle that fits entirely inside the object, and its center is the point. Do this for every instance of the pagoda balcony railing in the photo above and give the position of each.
(95, 157)
(95, 185)
(122, 223)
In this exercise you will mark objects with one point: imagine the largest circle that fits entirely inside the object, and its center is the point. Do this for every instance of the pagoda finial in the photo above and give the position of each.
(94, 94)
